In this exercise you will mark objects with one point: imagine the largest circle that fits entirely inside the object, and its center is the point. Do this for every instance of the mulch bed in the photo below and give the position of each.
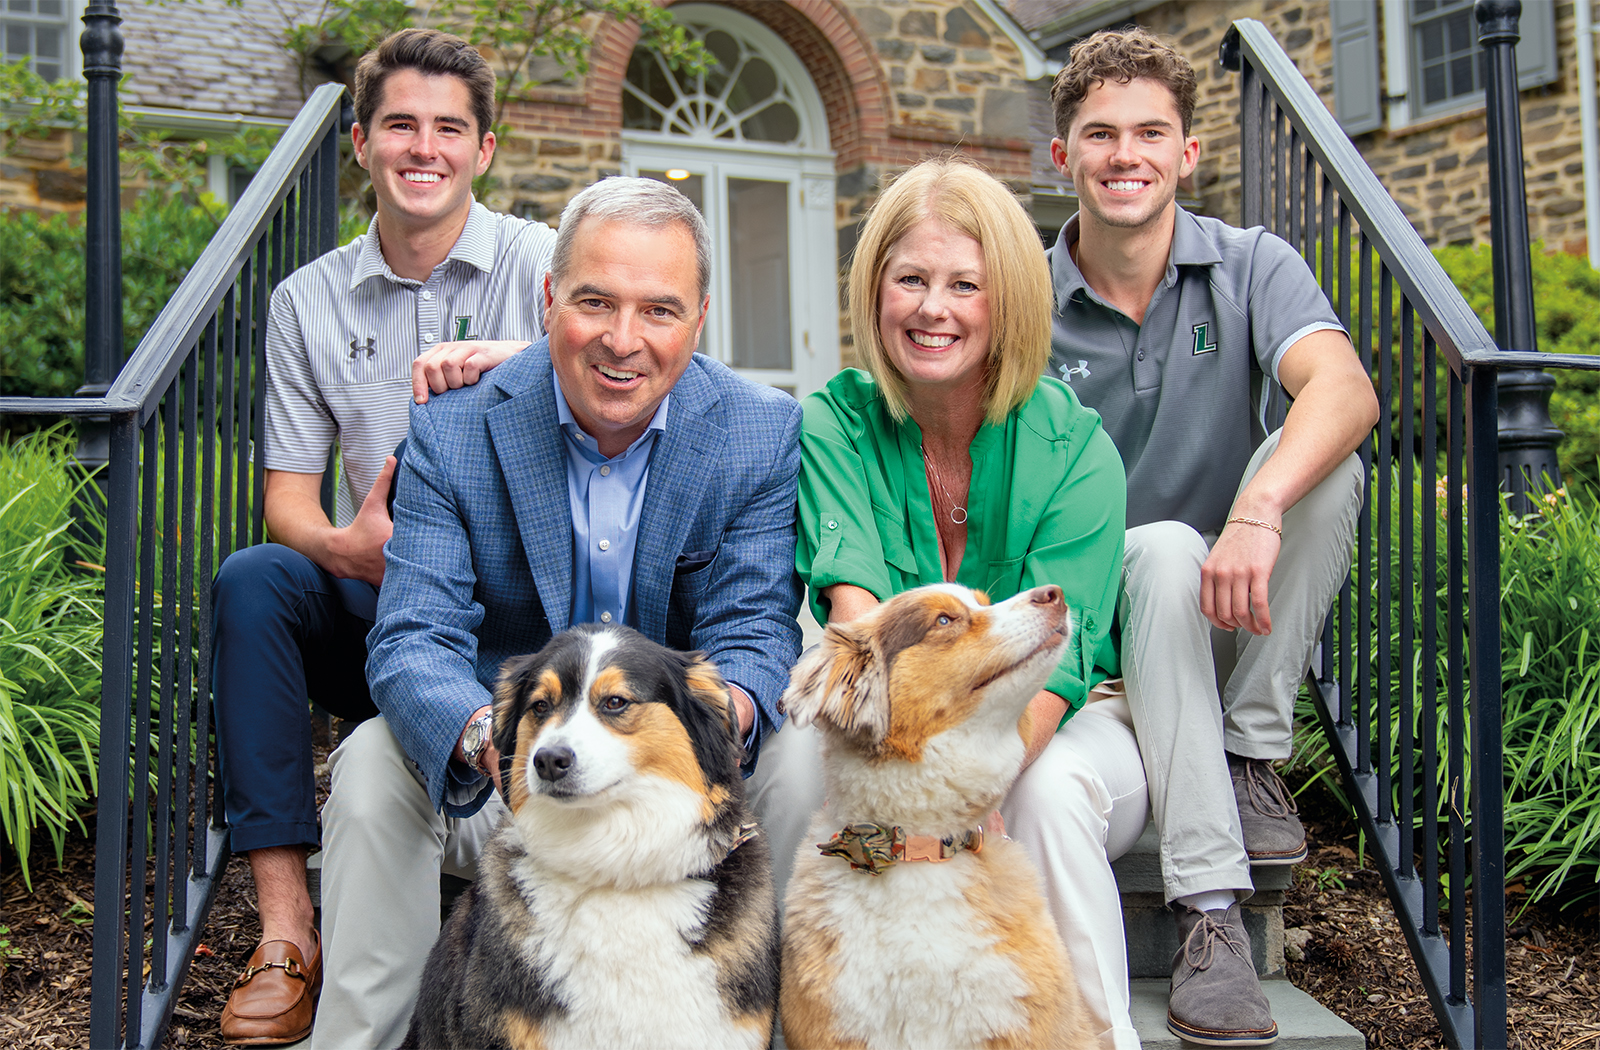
(1353, 957)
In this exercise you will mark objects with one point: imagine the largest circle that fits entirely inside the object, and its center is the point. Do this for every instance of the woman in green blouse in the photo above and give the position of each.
(949, 458)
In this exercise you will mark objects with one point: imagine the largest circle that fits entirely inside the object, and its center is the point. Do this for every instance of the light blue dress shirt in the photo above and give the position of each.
(606, 497)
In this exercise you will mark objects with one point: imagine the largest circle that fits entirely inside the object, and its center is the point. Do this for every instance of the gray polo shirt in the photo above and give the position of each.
(1175, 392)
(343, 330)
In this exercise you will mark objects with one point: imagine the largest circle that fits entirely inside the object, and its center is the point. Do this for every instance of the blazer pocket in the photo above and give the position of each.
(692, 561)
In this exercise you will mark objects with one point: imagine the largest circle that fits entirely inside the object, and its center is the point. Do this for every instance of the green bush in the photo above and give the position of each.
(41, 286)
(1566, 293)
(1550, 694)
(51, 616)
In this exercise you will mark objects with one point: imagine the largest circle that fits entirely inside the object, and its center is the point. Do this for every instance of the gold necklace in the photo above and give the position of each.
(937, 480)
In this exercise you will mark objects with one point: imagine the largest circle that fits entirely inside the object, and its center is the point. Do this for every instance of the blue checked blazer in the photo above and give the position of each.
(480, 565)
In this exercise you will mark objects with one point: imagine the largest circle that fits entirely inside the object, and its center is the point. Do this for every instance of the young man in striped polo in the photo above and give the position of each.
(437, 291)
(1164, 323)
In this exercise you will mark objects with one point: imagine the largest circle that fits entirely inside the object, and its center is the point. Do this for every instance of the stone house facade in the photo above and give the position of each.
(782, 146)
(814, 101)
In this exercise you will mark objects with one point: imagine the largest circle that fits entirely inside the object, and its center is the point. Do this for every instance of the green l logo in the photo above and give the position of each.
(1202, 341)
(463, 323)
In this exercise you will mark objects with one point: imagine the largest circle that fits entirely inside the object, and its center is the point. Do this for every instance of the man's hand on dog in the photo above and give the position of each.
(451, 365)
(1233, 580)
(746, 709)
(489, 759)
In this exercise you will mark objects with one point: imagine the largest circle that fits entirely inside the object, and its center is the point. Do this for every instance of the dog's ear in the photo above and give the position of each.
(707, 685)
(517, 676)
(841, 681)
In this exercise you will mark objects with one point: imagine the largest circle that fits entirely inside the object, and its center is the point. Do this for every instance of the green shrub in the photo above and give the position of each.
(51, 617)
(1566, 293)
(41, 287)
(1550, 694)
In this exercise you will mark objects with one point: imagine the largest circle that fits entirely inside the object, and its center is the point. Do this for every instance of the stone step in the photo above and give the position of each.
(1303, 1023)
(1152, 934)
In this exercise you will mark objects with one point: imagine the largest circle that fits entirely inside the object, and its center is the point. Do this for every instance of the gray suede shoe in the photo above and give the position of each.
(1268, 816)
(1216, 997)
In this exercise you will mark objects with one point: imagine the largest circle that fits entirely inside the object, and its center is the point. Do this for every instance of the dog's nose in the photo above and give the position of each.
(1049, 594)
(553, 763)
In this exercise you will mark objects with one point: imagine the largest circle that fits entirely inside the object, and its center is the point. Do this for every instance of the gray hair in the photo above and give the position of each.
(637, 202)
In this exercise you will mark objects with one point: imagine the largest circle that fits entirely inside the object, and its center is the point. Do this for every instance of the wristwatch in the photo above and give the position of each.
(474, 739)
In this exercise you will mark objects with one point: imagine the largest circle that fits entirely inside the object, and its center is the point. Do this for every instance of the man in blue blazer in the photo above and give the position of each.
(607, 473)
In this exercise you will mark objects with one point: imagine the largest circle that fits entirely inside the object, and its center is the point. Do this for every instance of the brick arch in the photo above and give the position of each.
(830, 45)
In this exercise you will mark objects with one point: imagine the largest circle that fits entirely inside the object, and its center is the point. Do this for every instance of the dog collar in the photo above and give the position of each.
(873, 848)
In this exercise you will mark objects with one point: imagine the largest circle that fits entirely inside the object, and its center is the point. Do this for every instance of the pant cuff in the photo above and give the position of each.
(265, 836)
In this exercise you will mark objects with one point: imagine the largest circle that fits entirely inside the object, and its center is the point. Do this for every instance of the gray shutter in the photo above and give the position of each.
(1356, 83)
(1536, 51)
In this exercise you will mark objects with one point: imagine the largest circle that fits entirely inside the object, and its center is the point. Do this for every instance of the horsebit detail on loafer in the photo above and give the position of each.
(288, 966)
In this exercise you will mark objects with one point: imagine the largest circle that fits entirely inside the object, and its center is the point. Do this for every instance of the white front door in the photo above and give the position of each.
(774, 314)
(747, 141)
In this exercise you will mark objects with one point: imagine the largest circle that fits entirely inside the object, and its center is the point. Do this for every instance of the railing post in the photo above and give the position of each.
(101, 43)
(1528, 438)
(1484, 717)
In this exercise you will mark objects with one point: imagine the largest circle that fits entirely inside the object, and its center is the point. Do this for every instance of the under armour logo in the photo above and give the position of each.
(356, 348)
(1067, 373)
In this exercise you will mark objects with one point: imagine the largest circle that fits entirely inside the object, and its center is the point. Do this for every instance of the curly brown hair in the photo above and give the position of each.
(433, 54)
(1121, 55)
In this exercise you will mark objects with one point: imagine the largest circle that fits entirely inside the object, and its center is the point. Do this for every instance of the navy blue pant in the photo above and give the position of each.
(285, 631)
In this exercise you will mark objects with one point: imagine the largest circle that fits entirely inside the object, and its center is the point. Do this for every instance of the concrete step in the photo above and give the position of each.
(1303, 1023)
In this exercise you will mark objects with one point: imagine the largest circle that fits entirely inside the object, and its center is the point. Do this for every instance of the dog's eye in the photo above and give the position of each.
(943, 620)
(540, 707)
(613, 704)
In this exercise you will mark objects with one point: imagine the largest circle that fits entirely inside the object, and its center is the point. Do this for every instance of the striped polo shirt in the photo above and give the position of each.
(343, 331)
(1175, 393)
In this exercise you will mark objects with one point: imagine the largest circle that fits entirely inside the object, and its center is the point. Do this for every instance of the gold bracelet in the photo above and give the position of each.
(1253, 521)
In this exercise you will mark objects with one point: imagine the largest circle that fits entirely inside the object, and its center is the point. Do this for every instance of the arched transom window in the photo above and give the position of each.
(747, 96)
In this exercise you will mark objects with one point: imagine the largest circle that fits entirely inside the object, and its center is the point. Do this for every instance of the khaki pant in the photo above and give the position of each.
(1195, 691)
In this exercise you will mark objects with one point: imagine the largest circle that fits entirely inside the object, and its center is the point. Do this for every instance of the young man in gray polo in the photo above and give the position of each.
(437, 275)
(1161, 319)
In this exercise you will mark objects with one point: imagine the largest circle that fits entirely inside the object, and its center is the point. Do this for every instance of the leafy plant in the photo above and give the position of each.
(1550, 695)
(51, 617)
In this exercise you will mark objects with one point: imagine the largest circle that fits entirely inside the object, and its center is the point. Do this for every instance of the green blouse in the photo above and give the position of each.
(1047, 504)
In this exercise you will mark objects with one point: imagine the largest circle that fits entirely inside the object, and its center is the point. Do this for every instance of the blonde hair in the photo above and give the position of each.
(965, 198)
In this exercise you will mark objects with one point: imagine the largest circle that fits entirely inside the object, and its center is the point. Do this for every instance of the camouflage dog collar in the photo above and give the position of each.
(873, 848)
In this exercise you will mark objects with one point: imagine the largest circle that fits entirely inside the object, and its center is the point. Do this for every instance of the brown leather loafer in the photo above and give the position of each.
(275, 999)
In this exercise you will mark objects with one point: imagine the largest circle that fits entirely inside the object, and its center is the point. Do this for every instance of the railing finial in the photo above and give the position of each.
(1528, 438)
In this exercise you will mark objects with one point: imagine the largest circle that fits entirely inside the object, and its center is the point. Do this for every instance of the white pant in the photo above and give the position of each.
(385, 847)
(1173, 661)
(1081, 805)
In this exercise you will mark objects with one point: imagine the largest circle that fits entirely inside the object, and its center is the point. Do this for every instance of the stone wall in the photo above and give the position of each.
(39, 174)
(1436, 170)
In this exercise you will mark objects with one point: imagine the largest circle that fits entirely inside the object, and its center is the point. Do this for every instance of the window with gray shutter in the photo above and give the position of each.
(1446, 61)
(37, 30)
(1356, 86)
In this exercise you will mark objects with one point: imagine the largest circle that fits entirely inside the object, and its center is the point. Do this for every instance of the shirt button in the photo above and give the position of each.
(605, 617)
(605, 472)
(833, 524)
(605, 545)
(1141, 355)
(427, 295)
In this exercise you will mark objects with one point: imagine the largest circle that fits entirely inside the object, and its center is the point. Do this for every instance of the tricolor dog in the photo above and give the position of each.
(907, 925)
(627, 901)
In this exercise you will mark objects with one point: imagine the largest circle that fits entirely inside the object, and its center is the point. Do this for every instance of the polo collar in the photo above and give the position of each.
(1192, 245)
(475, 247)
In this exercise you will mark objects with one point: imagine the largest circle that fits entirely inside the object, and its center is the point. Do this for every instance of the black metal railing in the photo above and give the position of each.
(182, 493)
(1303, 179)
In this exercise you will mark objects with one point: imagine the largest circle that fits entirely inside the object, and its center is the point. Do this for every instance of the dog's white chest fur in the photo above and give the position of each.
(623, 965)
(913, 928)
